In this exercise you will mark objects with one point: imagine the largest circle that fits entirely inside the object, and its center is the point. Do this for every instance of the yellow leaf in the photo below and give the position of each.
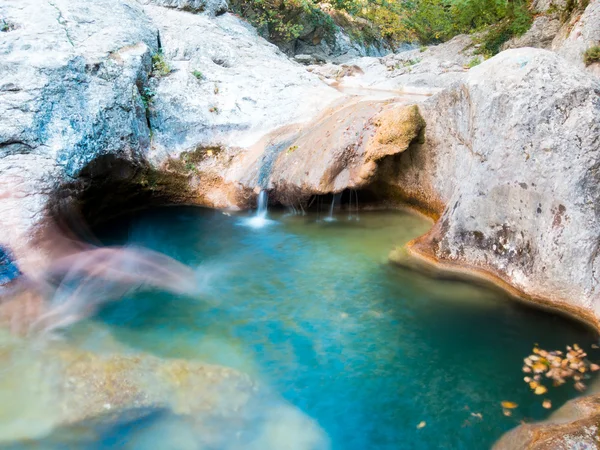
(540, 390)
(421, 424)
(547, 404)
(509, 405)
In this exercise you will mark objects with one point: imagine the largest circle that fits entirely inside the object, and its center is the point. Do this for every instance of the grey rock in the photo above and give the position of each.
(541, 34)
(580, 32)
(509, 164)
(70, 80)
(212, 7)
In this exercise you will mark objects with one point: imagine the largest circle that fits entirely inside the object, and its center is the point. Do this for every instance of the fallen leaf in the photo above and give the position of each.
(507, 412)
(509, 405)
(594, 367)
(478, 415)
(540, 390)
(547, 404)
(421, 424)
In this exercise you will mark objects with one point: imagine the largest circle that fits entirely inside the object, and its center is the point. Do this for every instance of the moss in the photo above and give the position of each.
(592, 55)
(160, 67)
(400, 127)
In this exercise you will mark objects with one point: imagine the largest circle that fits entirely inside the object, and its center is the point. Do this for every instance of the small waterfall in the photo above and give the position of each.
(335, 199)
(263, 202)
(260, 219)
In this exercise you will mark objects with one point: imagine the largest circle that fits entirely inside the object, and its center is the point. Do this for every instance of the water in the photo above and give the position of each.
(314, 311)
(259, 219)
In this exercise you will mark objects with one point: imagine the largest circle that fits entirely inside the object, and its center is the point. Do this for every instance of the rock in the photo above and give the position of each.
(497, 149)
(79, 91)
(305, 59)
(212, 7)
(541, 34)
(574, 425)
(247, 87)
(340, 150)
(580, 32)
(71, 74)
(415, 71)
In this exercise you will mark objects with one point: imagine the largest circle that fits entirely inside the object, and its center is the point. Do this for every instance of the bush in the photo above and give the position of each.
(198, 74)
(592, 55)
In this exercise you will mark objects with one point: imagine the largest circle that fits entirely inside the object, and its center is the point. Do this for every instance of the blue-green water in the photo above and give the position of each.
(314, 310)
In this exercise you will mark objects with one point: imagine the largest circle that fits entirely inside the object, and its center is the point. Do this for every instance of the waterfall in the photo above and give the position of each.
(336, 199)
(260, 219)
(263, 202)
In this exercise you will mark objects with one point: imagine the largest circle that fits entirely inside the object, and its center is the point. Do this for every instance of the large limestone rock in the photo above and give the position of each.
(509, 166)
(70, 80)
(82, 103)
(228, 87)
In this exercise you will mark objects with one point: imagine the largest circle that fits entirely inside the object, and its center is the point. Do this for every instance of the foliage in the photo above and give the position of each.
(283, 20)
(147, 95)
(591, 55)
(474, 62)
(160, 67)
(198, 74)
(395, 21)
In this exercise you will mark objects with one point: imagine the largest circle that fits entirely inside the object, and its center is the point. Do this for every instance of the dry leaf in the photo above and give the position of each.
(507, 412)
(540, 390)
(421, 424)
(547, 404)
(509, 405)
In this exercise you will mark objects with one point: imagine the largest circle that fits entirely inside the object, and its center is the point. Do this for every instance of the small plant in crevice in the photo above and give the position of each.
(213, 109)
(216, 89)
(147, 95)
(160, 67)
(199, 75)
(6, 26)
(592, 55)
(474, 62)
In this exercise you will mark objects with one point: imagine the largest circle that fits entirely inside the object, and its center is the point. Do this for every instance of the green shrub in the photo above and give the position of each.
(592, 55)
(474, 62)
(198, 75)
(160, 67)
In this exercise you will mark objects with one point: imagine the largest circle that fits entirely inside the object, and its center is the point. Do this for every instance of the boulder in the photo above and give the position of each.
(509, 169)
(211, 7)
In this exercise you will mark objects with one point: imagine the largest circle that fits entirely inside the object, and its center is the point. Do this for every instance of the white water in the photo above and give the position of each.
(260, 219)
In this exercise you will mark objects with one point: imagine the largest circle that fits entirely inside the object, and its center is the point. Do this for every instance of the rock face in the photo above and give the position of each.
(580, 32)
(69, 93)
(80, 92)
(499, 149)
(574, 425)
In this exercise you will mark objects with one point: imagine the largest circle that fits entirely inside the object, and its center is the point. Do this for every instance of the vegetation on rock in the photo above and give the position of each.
(592, 55)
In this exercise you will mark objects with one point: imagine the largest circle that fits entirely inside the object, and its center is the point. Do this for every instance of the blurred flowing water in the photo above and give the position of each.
(313, 310)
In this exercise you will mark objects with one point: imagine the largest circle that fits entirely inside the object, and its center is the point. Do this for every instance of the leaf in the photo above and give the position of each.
(509, 405)
(540, 390)
(507, 412)
(547, 404)
(421, 424)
